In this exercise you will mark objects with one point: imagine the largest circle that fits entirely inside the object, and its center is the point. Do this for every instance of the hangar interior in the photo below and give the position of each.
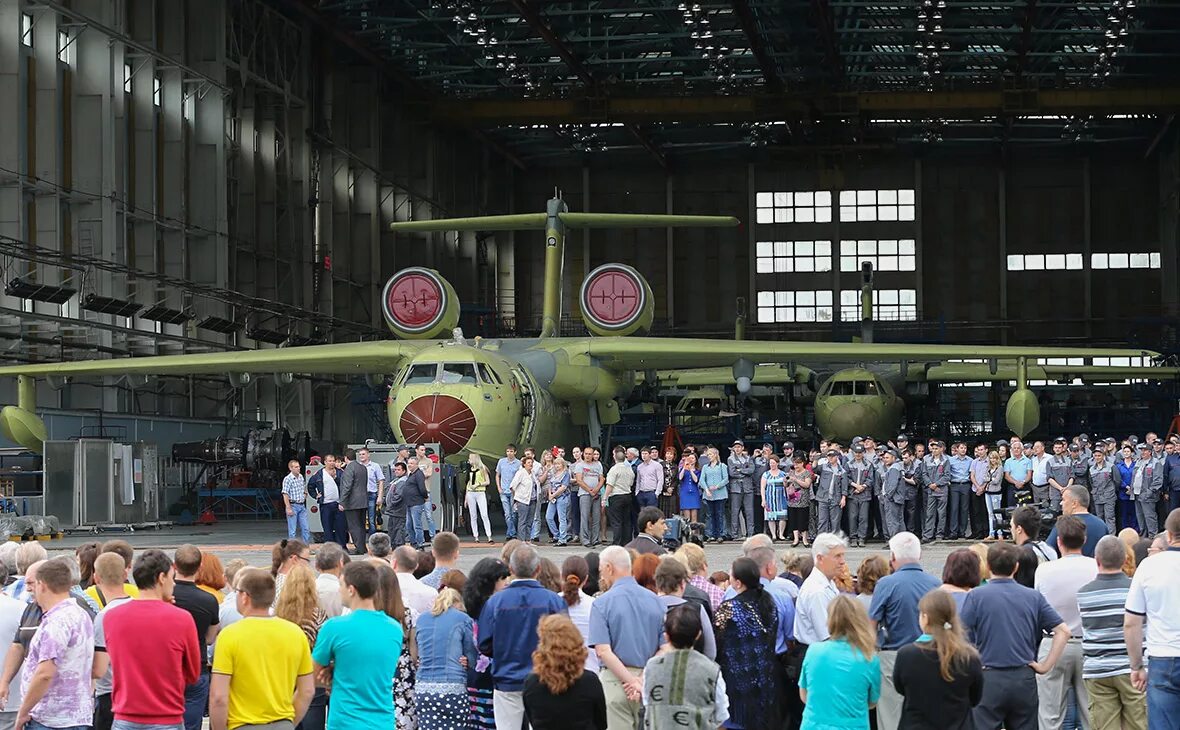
(188, 176)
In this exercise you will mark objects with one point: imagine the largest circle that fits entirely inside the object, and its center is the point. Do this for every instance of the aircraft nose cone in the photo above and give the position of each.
(850, 420)
(441, 419)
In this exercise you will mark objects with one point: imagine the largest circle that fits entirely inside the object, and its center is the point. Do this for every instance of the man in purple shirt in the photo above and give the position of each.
(55, 679)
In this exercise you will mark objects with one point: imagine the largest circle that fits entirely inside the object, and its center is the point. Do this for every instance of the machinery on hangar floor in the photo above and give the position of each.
(479, 395)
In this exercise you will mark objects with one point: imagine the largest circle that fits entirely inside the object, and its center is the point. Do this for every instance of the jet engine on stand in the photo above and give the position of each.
(238, 477)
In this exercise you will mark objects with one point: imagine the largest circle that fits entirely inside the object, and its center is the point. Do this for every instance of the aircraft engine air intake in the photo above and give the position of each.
(616, 301)
(419, 304)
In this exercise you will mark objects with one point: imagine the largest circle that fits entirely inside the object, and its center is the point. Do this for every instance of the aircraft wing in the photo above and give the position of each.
(978, 372)
(352, 358)
(653, 353)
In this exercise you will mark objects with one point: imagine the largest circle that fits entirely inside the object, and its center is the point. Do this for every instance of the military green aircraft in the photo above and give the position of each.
(478, 395)
(871, 400)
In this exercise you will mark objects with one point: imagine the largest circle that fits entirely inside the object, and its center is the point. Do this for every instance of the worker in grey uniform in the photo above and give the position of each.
(910, 487)
(1081, 462)
(862, 478)
(741, 489)
(1060, 472)
(1104, 487)
(1146, 482)
(831, 486)
(891, 495)
(936, 481)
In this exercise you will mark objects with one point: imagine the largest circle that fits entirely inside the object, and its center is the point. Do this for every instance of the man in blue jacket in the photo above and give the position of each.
(1171, 490)
(508, 633)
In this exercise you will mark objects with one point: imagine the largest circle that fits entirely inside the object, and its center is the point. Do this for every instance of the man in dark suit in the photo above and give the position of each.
(354, 499)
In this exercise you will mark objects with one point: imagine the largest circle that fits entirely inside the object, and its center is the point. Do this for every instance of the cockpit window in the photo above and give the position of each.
(421, 374)
(489, 376)
(841, 387)
(866, 387)
(459, 373)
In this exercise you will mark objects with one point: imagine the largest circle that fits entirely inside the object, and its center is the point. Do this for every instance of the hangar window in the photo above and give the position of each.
(803, 206)
(877, 205)
(888, 304)
(778, 257)
(1045, 262)
(1124, 260)
(794, 306)
(884, 255)
(26, 29)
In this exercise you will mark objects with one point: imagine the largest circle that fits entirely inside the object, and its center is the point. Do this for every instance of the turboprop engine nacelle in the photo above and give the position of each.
(419, 304)
(616, 301)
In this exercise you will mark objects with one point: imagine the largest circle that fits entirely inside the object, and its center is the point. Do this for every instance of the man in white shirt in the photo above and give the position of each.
(819, 590)
(1040, 474)
(10, 615)
(1155, 596)
(415, 593)
(330, 560)
(1059, 581)
(375, 486)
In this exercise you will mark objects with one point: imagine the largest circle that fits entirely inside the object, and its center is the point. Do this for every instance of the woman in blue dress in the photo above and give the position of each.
(690, 491)
(1126, 505)
(774, 499)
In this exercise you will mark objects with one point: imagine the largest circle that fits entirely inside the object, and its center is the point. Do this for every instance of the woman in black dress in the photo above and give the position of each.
(940, 674)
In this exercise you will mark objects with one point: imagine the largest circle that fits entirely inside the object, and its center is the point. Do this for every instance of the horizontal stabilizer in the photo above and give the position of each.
(511, 222)
(640, 220)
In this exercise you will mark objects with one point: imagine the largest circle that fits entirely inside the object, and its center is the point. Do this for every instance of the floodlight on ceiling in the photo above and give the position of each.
(110, 305)
(48, 293)
(269, 336)
(165, 315)
(218, 324)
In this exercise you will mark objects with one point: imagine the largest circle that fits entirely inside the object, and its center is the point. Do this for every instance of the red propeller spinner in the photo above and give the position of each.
(441, 419)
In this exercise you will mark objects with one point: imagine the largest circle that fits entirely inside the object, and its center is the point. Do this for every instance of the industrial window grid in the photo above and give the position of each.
(795, 306)
(787, 257)
(1124, 260)
(877, 205)
(803, 206)
(897, 305)
(883, 254)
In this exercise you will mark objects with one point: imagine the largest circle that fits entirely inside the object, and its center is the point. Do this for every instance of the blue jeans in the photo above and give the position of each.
(127, 725)
(196, 696)
(509, 513)
(535, 511)
(372, 512)
(415, 524)
(332, 520)
(1163, 692)
(429, 512)
(298, 520)
(34, 725)
(558, 517)
(646, 499)
(714, 517)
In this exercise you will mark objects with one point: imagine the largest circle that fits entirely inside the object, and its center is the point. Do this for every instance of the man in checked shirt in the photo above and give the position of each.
(295, 500)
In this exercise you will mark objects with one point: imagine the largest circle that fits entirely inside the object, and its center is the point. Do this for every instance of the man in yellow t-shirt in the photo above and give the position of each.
(261, 665)
(110, 580)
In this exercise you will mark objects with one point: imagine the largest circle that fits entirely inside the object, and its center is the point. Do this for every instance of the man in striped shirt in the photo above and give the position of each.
(1106, 668)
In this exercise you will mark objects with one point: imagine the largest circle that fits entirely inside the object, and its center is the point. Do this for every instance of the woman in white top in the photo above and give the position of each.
(478, 479)
(524, 493)
(574, 572)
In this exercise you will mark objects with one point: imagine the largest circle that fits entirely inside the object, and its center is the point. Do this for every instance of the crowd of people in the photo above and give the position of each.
(620, 639)
(867, 490)
(1080, 629)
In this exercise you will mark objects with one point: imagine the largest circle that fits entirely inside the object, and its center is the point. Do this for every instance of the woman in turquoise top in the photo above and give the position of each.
(714, 478)
(841, 678)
